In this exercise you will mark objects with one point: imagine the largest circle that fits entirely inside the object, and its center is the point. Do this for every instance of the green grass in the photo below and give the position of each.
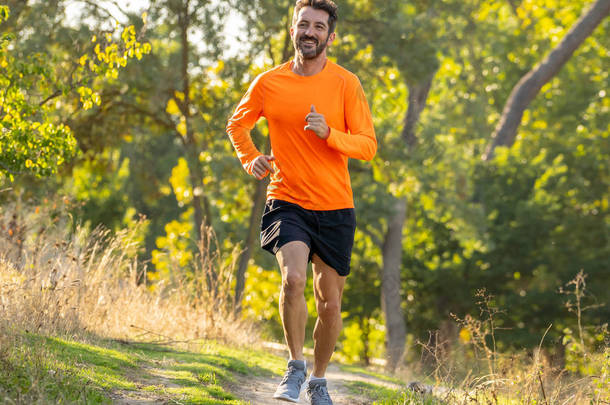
(38, 369)
(31, 371)
(363, 371)
(385, 396)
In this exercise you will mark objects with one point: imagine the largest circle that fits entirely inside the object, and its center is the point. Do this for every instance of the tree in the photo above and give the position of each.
(34, 139)
(184, 15)
(402, 36)
(530, 84)
(456, 244)
(180, 93)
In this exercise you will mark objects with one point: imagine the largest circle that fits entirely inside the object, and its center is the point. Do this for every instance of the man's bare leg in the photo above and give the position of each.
(293, 258)
(328, 290)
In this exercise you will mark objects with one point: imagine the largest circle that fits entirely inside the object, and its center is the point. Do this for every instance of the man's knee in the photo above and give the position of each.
(294, 282)
(329, 310)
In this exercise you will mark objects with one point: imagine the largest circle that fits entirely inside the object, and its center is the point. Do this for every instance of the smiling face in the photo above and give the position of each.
(309, 32)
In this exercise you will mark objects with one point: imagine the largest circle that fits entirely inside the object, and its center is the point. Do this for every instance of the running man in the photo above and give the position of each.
(318, 117)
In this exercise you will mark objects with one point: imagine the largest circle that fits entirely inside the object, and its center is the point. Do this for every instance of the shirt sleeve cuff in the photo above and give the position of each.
(248, 165)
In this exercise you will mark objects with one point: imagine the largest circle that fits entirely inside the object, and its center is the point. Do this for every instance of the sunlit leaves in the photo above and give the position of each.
(181, 127)
(38, 148)
(88, 97)
(29, 141)
(261, 293)
(180, 183)
(32, 139)
(174, 251)
(172, 108)
(539, 211)
(112, 55)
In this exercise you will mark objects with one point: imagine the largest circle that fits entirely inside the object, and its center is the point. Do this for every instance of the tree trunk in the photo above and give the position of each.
(418, 94)
(530, 84)
(287, 49)
(253, 227)
(390, 295)
(365, 325)
(201, 208)
(396, 329)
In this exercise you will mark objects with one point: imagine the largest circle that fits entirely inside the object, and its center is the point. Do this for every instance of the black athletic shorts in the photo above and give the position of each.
(329, 234)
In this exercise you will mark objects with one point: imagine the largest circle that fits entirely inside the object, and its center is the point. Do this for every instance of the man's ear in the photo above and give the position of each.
(331, 38)
(292, 32)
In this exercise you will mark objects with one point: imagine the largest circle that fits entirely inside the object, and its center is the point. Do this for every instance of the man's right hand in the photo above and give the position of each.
(261, 166)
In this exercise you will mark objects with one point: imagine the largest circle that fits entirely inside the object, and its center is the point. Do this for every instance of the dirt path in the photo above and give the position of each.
(253, 390)
(259, 390)
(157, 382)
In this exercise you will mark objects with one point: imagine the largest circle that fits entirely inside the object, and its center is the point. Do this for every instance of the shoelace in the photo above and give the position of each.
(292, 376)
(319, 394)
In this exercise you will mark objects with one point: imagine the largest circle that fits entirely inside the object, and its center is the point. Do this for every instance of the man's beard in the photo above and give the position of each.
(310, 53)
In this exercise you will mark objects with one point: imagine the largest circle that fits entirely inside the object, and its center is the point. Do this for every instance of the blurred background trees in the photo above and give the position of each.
(123, 113)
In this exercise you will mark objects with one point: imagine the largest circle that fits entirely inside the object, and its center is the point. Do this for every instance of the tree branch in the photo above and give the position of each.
(528, 87)
(51, 97)
(98, 7)
(418, 94)
(9, 169)
(139, 110)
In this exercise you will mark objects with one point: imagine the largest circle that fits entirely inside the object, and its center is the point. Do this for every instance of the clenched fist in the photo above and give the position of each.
(317, 123)
(261, 166)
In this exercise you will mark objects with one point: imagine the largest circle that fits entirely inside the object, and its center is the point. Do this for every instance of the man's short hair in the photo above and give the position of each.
(327, 5)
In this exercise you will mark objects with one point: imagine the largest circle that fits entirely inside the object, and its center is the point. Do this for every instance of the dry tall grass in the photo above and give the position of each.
(474, 372)
(54, 281)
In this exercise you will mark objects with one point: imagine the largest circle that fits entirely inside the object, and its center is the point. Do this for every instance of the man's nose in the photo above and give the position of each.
(309, 31)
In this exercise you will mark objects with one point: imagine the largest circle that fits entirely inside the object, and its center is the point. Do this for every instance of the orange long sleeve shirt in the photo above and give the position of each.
(309, 171)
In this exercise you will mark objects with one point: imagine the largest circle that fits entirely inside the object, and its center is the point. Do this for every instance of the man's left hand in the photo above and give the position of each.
(317, 123)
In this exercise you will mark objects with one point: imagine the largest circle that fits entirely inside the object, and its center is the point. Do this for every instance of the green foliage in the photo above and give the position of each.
(362, 340)
(261, 299)
(174, 253)
(601, 387)
(29, 141)
(34, 140)
(98, 185)
(261, 293)
(454, 242)
(578, 359)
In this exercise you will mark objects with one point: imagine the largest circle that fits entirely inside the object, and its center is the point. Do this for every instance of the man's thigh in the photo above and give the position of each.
(327, 283)
(292, 258)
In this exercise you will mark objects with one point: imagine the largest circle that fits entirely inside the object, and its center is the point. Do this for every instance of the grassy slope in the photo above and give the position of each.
(39, 369)
(54, 370)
